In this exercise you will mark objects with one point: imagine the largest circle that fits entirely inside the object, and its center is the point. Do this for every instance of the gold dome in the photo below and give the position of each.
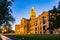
(33, 13)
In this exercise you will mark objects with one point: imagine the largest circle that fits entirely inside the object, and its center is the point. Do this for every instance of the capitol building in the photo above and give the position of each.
(34, 25)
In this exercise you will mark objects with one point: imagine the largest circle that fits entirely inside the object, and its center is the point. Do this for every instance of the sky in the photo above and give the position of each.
(21, 8)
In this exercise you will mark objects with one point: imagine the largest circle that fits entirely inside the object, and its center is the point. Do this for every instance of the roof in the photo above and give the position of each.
(26, 19)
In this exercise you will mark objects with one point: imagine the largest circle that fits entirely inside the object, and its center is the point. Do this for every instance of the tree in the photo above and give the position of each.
(51, 19)
(56, 20)
(5, 12)
(58, 6)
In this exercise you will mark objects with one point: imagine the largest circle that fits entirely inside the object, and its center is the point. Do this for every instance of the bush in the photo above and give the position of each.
(37, 37)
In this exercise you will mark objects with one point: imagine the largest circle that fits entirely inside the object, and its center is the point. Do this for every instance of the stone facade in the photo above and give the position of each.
(34, 25)
(43, 22)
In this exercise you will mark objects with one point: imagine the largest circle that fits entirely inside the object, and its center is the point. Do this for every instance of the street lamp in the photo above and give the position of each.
(5, 30)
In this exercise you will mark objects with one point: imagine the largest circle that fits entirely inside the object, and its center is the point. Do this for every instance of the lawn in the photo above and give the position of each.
(37, 37)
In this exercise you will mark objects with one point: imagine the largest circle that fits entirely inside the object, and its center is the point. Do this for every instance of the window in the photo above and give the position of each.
(44, 27)
(40, 32)
(40, 22)
(44, 21)
(36, 24)
(35, 28)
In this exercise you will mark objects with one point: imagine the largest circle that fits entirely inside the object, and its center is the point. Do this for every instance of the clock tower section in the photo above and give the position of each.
(33, 13)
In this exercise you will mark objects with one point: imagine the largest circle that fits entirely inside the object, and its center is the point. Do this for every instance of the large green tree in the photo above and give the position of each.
(5, 12)
(51, 19)
(55, 22)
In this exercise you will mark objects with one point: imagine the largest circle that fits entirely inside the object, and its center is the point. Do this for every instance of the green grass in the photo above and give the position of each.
(37, 37)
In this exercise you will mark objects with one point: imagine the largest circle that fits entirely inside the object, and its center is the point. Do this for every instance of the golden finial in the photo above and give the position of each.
(32, 7)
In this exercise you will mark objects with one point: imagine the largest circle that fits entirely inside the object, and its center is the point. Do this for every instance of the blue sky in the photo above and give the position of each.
(21, 8)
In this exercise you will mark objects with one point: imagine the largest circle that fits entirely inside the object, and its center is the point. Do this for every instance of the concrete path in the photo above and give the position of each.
(9, 38)
(4, 37)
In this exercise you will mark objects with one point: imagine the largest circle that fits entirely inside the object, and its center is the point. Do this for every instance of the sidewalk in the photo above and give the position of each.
(5, 38)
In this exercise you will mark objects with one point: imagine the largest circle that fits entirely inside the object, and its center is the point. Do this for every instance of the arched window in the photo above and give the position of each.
(44, 21)
(44, 27)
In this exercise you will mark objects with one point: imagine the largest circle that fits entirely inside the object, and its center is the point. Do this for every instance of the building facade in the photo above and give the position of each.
(34, 25)
(43, 22)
